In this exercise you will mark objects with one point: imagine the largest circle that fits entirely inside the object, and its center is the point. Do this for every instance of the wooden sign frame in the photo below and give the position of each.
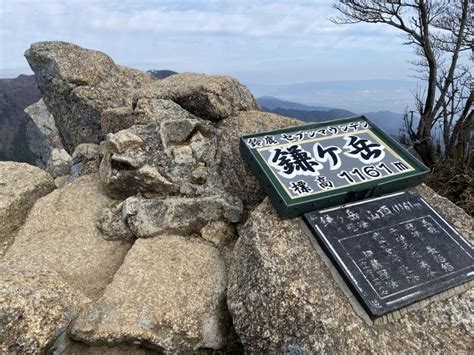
(253, 147)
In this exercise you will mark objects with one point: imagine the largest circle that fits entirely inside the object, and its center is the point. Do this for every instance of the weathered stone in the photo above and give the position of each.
(20, 186)
(169, 295)
(78, 84)
(125, 168)
(44, 141)
(117, 118)
(199, 175)
(113, 223)
(144, 111)
(36, 306)
(159, 158)
(208, 97)
(223, 235)
(146, 218)
(60, 234)
(283, 298)
(237, 177)
(58, 163)
(60, 181)
(85, 161)
(219, 233)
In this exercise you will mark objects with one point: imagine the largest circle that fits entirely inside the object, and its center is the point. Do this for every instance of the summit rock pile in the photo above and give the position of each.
(160, 240)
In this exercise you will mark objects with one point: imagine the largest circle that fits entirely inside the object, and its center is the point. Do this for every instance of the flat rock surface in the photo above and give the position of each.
(283, 298)
(60, 234)
(36, 306)
(20, 186)
(169, 294)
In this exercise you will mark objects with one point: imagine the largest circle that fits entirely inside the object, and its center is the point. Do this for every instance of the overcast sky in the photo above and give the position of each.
(266, 42)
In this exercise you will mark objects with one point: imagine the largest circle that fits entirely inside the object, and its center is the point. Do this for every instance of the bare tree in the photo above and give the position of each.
(441, 34)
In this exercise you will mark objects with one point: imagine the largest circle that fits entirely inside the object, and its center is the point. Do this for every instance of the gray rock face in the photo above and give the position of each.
(85, 161)
(236, 176)
(44, 141)
(283, 298)
(36, 306)
(146, 218)
(77, 85)
(20, 186)
(208, 97)
(159, 159)
(60, 234)
(169, 295)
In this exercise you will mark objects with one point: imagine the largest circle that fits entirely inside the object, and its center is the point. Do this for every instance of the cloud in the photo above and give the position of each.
(208, 36)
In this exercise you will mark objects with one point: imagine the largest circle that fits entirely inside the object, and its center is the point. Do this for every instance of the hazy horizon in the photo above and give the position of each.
(263, 44)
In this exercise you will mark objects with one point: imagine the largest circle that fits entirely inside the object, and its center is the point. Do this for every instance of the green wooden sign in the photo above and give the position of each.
(306, 168)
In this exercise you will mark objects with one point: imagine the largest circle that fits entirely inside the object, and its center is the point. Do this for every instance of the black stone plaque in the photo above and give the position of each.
(393, 251)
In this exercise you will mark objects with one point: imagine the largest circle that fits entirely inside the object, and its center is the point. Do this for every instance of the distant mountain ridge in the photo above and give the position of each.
(352, 95)
(161, 74)
(311, 116)
(390, 122)
(15, 95)
(272, 103)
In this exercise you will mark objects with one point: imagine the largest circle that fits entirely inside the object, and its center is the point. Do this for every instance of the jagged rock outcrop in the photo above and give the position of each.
(283, 298)
(60, 234)
(78, 92)
(236, 176)
(169, 295)
(20, 186)
(44, 140)
(142, 254)
(161, 159)
(78, 84)
(36, 307)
